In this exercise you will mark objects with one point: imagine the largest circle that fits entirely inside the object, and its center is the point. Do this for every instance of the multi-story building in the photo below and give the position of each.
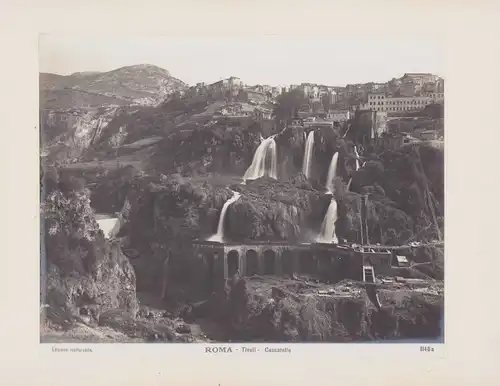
(440, 85)
(252, 95)
(407, 89)
(375, 87)
(338, 115)
(333, 97)
(263, 113)
(381, 102)
(284, 89)
(420, 78)
(436, 97)
(232, 84)
(275, 92)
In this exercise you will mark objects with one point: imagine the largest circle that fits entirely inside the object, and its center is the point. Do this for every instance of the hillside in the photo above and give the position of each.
(186, 157)
(75, 110)
(63, 99)
(140, 84)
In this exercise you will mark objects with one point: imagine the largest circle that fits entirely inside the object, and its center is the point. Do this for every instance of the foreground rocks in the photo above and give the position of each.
(83, 274)
(265, 309)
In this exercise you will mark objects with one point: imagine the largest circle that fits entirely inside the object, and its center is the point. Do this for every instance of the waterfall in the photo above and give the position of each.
(306, 163)
(274, 162)
(327, 234)
(332, 170)
(348, 185)
(219, 236)
(257, 169)
(357, 157)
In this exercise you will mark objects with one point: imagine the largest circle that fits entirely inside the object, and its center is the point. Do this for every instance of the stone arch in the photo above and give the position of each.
(306, 262)
(287, 261)
(233, 262)
(269, 262)
(252, 262)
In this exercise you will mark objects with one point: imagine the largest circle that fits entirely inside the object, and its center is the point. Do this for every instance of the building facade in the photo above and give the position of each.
(338, 115)
(381, 102)
(252, 95)
(419, 79)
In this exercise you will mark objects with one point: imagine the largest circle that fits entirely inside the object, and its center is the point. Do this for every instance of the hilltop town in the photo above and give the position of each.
(227, 211)
(393, 101)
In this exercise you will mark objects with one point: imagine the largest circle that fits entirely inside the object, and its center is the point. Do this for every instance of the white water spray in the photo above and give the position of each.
(332, 171)
(306, 163)
(357, 157)
(258, 168)
(219, 236)
(327, 234)
(348, 187)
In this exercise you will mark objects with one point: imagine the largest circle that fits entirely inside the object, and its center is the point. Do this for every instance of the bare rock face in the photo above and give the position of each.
(81, 274)
(67, 133)
(76, 109)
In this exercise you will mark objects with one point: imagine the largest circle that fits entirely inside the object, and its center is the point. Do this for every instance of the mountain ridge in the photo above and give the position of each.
(142, 84)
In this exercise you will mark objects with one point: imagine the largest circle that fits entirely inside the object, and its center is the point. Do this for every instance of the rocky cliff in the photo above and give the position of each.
(194, 166)
(76, 110)
(67, 134)
(270, 310)
(83, 275)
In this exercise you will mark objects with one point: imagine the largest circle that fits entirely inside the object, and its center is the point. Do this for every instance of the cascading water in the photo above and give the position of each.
(219, 236)
(327, 234)
(258, 168)
(274, 162)
(348, 185)
(357, 157)
(332, 170)
(306, 164)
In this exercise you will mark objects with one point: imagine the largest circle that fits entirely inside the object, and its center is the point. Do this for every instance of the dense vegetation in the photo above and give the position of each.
(82, 273)
(179, 197)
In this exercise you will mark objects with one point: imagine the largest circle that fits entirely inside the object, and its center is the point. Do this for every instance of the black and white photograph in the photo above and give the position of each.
(265, 189)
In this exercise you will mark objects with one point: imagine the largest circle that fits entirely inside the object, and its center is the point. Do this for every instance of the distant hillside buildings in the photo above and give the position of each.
(383, 102)
(411, 92)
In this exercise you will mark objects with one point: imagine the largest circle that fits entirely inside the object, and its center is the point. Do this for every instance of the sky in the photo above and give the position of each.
(271, 59)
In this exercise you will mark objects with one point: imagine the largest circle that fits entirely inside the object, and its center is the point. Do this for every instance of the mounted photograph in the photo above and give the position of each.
(250, 189)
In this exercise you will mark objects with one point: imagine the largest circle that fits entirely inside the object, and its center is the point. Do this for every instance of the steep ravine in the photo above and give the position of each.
(168, 210)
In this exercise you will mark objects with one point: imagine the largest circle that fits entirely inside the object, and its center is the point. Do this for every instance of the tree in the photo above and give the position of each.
(434, 110)
(325, 100)
(288, 103)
